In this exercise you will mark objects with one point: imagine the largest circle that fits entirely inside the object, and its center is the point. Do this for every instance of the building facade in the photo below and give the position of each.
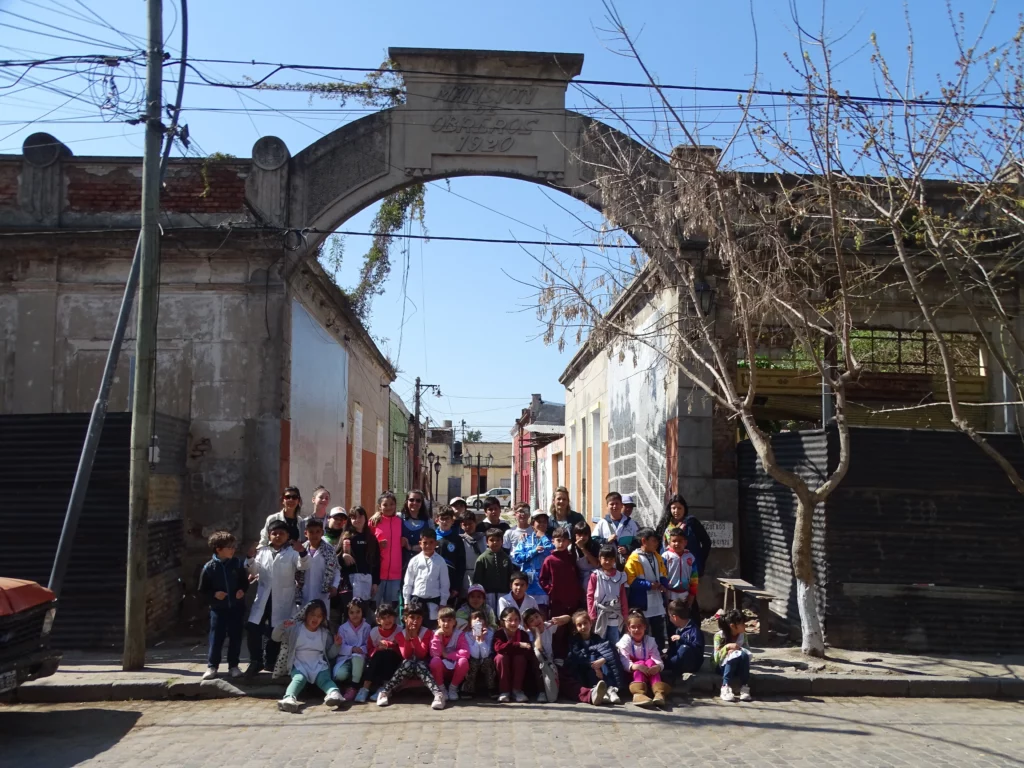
(277, 379)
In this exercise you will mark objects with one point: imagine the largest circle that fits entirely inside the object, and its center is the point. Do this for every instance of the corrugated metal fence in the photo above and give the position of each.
(920, 548)
(38, 458)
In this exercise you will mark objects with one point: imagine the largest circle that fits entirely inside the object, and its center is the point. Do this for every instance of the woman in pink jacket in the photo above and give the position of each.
(387, 528)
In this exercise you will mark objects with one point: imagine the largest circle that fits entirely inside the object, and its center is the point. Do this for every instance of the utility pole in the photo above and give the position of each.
(145, 352)
(416, 474)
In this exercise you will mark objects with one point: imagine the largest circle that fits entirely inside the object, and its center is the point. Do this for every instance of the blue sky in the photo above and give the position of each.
(469, 327)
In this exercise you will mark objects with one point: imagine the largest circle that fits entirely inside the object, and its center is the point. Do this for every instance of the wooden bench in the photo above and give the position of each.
(736, 589)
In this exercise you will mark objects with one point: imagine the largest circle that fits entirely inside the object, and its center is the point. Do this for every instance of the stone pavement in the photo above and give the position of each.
(816, 734)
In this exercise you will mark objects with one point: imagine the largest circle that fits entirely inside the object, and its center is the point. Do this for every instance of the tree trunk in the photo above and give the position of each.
(813, 643)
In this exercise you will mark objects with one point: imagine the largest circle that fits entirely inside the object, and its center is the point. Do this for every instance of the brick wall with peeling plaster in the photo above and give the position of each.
(224, 353)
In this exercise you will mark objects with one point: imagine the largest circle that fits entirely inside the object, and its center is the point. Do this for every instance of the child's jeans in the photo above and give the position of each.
(411, 668)
(226, 623)
(657, 629)
(476, 668)
(639, 677)
(611, 673)
(323, 682)
(389, 591)
(444, 676)
(350, 669)
(736, 671)
(612, 635)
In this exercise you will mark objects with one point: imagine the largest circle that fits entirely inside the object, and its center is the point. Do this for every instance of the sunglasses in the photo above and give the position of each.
(291, 497)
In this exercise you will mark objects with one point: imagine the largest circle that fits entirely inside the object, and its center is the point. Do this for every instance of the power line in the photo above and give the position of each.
(606, 83)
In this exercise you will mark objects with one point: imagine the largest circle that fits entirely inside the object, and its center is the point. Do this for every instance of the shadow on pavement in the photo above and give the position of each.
(61, 739)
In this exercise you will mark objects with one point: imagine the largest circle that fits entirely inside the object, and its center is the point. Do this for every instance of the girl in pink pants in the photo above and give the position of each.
(449, 654)
(642, 661)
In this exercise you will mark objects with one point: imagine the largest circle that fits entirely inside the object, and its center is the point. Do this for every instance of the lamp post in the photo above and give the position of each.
(428, 465)
(437, 478)
(481, 460)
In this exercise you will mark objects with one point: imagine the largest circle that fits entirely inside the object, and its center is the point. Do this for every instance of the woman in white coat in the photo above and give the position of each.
(290, 514)
(273, 567)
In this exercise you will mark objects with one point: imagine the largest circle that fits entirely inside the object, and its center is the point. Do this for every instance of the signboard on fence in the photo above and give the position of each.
(720, 533)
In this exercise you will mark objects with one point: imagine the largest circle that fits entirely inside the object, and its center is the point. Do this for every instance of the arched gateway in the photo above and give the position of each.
(467, 113)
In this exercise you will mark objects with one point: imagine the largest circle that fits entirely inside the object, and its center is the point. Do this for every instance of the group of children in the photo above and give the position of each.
(538, 610)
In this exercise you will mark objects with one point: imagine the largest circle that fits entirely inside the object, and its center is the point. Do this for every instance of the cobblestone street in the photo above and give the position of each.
(836, 732)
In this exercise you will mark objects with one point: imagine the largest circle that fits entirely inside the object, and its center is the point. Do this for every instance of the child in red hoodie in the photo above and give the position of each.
(560, 578)
(414, 645)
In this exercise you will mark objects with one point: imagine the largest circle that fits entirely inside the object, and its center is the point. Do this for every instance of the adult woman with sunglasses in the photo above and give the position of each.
(414, 519)
(291, 514)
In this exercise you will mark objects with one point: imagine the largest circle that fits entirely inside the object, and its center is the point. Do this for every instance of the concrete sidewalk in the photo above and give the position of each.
(174, 669)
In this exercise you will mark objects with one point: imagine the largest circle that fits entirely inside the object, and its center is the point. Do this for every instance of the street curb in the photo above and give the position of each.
(127, 690)
(704, 683)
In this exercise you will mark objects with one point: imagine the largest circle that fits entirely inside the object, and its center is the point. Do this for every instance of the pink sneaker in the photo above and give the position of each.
(349, 694)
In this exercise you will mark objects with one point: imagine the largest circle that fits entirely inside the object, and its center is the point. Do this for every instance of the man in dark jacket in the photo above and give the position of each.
(224, 581)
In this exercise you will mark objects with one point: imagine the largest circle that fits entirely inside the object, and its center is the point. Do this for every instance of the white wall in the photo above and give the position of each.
(319, 405)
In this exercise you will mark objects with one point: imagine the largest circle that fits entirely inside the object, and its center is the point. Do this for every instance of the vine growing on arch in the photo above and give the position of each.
(381, 89)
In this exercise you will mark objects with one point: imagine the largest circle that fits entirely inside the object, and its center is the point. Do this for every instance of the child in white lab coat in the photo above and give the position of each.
(351, 661)
(306, 649)
(273, 567)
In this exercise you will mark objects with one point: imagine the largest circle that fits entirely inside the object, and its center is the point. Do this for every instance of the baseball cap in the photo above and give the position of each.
(475, 588)
(456, 500)
(338, 512)
(627, 498)
(538, 513)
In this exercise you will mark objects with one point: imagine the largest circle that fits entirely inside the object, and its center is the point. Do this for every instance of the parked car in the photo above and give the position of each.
(26, 618)
(503, 495)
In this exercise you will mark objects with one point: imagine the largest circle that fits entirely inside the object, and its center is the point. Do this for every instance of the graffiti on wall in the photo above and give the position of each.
(637, 451)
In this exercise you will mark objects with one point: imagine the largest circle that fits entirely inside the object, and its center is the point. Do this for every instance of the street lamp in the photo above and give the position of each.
(437, 478)
(481, 460)
(426, 469)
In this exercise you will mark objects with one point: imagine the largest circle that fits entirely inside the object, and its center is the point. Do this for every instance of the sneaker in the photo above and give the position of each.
(333, 698)
(520, 697)
(599, 693)
(362, 695)
(210, 673)
(235, 672)
(613, 695)
(288, 704)
(504, 698)
(745, 694)
(350, 694)
(382, 699)
(438, 702)
(727, 694)
(542, 698)
(374, 695)
(453, 693)
(253, 669)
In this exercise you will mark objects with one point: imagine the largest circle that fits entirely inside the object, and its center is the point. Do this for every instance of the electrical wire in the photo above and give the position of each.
(788, 94)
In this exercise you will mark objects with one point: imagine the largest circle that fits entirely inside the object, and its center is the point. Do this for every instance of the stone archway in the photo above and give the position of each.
(467, 113)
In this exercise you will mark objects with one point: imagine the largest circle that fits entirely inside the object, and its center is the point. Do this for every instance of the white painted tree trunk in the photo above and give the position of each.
(813, 643)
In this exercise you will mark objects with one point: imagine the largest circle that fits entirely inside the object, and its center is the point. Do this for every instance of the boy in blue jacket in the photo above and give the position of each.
(686, 645)
(592, 672)
(224, 582)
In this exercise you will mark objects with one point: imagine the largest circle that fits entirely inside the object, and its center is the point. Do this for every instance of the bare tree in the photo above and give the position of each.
(935, 178)
(772, 242)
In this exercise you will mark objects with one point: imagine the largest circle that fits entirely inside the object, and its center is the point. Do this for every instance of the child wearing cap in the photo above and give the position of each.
(476, 600)
(336, 522)
(531, 551)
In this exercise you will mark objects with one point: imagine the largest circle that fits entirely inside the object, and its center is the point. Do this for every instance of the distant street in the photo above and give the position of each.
(834, 732)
